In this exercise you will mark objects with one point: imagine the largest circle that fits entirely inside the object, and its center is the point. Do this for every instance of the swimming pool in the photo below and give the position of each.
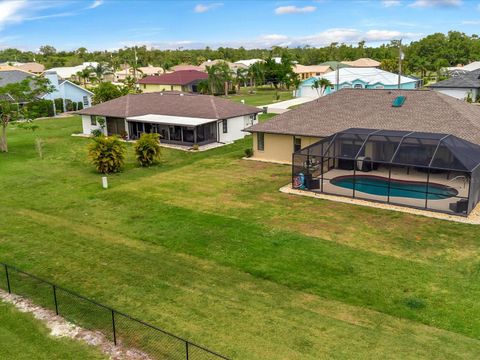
(377, 185)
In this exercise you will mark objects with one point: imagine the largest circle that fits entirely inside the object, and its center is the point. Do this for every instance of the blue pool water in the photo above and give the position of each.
(409, 189)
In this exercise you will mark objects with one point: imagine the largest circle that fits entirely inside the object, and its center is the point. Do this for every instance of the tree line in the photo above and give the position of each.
(428, 54)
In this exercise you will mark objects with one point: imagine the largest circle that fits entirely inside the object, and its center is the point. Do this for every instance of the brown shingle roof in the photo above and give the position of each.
(171, 103)
(423, 110)
(182, 77)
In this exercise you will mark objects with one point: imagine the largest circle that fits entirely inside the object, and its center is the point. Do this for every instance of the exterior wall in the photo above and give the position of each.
(235, 128)
(76, 94)
(146, 88)
(460, 94)
(88, 127)
(278, 148)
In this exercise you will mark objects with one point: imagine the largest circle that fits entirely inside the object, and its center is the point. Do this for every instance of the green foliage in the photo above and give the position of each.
(39, 108)
(97, 133)
(79, 105)
(415, 303)
(248, 152)
(147, 149)
(107, 154)
(106, 91)
(59, 105)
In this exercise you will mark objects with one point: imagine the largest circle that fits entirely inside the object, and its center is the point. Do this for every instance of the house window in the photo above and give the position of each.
(297, 144)
(225, 126)
(93, 120)
(261, 141)
(358, 86)
(85, 100)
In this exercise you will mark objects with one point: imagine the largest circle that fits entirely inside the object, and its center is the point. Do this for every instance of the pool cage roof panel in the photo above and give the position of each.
(407, 148)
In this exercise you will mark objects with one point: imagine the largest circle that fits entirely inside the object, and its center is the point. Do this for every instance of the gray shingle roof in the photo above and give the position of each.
(171, 103)
(468, 80)
(12, 76)
(423, 110)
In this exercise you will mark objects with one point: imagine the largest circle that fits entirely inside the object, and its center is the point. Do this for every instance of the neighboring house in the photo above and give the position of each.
(232, 66)
(13, 76)
(70, 72)
(358, 78)
(180, 118)
(423, 110)
(305, 72)
(458, 70)
(363, 63)
(182, 67)
(248, 62)
(139, 72)
(184, 80)
(32, 67)
(461, 86)
(67, 90)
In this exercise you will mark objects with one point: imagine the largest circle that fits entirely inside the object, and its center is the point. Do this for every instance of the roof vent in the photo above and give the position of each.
(399, 101)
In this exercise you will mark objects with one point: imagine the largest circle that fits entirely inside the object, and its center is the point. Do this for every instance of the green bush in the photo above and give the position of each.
(79, 105)
(97, 133)
(107, 154)
(39, 108)
(59, 105)
(248, 152)
(147, 149)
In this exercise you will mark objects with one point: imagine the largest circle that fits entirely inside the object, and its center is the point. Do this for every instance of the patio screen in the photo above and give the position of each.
(439, 172)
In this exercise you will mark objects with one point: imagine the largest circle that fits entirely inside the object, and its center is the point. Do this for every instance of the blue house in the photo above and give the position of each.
(67, 90)
(357, 78)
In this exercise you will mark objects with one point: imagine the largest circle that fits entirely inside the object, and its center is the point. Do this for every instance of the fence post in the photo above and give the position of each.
(186, 349)
(113, 327)
(8, 279)
(55, 298)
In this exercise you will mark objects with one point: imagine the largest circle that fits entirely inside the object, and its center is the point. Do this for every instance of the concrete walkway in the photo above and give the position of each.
(283, 106)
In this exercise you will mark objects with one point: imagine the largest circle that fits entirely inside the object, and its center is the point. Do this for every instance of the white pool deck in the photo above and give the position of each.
(340, 194)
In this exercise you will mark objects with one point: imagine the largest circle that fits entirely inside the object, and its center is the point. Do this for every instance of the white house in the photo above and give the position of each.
(67, 90)
(180, 118)
(67, 72)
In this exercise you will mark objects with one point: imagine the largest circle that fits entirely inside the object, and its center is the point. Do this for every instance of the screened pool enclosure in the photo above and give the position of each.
(438, 172)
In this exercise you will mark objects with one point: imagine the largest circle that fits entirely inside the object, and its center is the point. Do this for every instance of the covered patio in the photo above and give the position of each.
(438, 172)
(174, 129)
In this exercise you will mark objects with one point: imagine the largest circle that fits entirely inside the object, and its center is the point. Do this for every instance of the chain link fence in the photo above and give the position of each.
(116, 326)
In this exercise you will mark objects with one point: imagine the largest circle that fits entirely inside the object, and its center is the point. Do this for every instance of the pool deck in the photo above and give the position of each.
(340, 194)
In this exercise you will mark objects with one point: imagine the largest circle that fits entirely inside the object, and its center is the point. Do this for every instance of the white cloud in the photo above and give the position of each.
(12, 11)
(282, 10)
(201, 8)
(391, 3)
(471, 22)
(95, 4)
(274, 37)
(436, 3)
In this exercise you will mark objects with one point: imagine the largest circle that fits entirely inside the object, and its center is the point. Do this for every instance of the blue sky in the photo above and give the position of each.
(110, 24)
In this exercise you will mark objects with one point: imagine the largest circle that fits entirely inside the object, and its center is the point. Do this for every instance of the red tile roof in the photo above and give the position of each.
(182, 77)
(171, 103)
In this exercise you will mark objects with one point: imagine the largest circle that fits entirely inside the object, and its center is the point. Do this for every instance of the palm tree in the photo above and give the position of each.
(256, 74)
(320, 85)
(101, 70)
(214, 82)
(296, 83)
(240, 78)
(85, 74)
(203, 87)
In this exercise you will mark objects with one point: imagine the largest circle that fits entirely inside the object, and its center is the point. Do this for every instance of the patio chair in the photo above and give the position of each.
(459, 207)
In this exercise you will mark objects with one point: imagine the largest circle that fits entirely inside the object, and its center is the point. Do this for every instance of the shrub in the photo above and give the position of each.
(248, 152)
(79, 105)
(147, 149)
(39, 108)
(69, 105)
(195, 147)
(107, 154)
(59, 105)
(97, 133)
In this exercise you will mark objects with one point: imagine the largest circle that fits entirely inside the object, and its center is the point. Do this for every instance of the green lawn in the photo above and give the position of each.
(205, 246)
(260, 96)
(24, 337)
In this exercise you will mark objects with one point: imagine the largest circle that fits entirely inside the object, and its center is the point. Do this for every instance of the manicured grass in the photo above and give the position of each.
(261, 96)
(24, 337)
(205, 246)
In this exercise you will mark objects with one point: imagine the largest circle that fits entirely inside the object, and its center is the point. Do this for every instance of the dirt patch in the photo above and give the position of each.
(59, 327)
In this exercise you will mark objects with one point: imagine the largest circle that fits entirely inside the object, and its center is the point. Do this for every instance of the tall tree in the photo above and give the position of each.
(320, 85)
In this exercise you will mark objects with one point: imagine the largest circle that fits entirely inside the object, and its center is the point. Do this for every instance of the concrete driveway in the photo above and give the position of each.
(283, 106)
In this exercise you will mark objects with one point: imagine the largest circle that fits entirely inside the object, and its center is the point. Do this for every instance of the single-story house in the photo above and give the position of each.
(32, 67)
(67, 90)
(181, 67)
(13, 76)
(307, 71)
(249, 62)
(184, 80)
(334, 65)
(180, 118)
(460, 86)
(233, 66)
(415, 148)
(423, 110)
(363, 63)
(357, 78)
(138, 72)
(457, 70)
